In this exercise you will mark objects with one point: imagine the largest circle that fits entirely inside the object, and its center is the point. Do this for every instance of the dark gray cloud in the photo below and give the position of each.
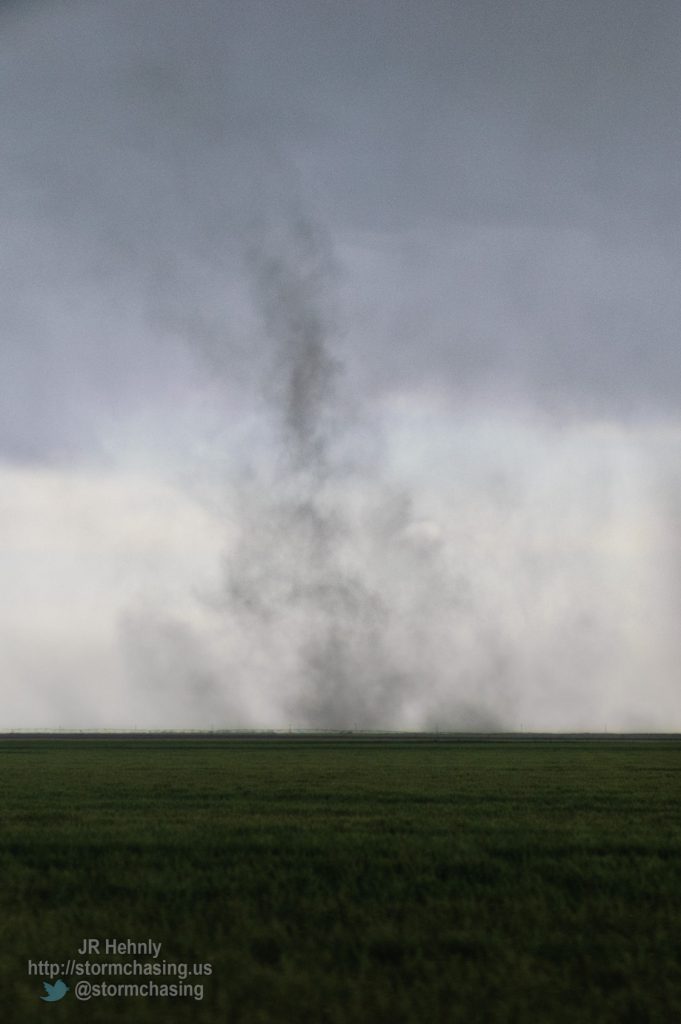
(512, 170)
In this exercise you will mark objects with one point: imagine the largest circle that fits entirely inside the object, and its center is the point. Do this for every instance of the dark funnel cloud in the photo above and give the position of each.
(332, 566)
(293, 275)
(290, 573)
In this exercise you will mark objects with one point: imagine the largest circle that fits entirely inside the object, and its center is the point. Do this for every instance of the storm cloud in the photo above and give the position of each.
(382, 295)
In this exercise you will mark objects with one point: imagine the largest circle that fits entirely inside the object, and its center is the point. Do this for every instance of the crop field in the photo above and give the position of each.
(347, 880)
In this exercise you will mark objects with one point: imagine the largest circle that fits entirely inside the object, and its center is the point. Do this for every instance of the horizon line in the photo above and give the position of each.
(328, 732)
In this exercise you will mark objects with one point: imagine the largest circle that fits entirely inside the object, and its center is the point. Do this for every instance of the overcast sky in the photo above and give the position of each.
(493, 372)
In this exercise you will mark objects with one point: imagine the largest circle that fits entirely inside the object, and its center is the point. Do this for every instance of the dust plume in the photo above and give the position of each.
(295, 582)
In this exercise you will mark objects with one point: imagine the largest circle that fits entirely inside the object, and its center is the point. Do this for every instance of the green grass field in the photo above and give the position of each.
(343, 881)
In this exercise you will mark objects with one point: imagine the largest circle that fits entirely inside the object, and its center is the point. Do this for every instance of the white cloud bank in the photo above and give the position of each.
(516, 576)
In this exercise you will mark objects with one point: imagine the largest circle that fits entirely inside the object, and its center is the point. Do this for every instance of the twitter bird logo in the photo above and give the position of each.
(54, 992)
